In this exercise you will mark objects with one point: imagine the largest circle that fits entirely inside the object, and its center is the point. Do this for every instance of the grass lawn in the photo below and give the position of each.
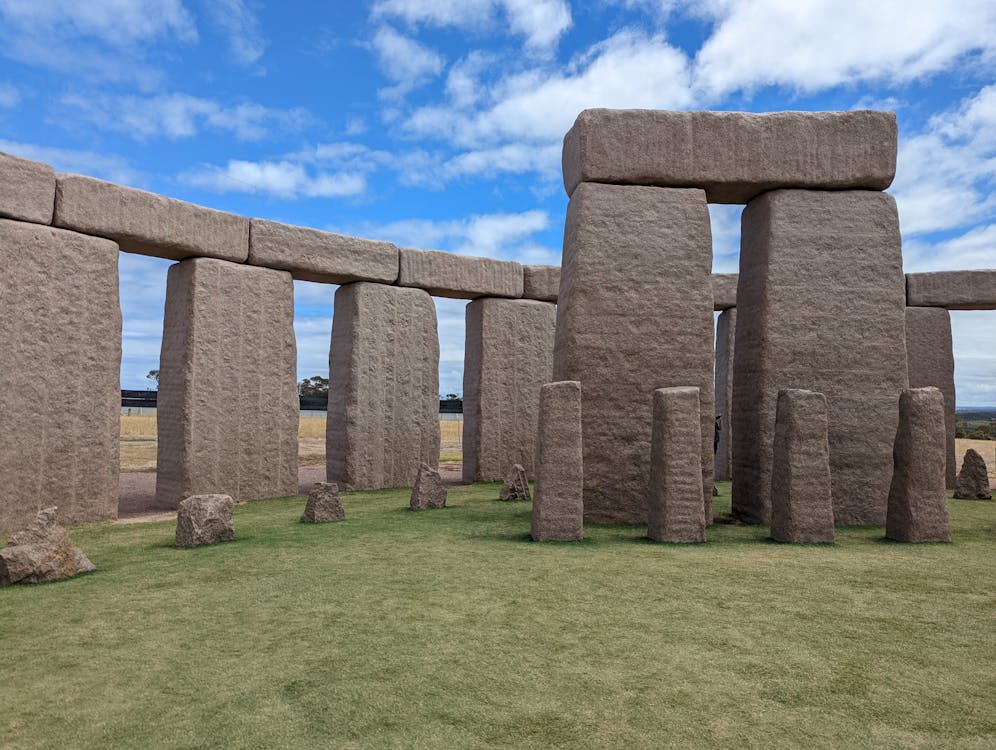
(448, 629)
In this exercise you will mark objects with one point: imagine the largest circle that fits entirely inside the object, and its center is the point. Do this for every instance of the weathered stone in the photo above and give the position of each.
(324, 504)
(205, 519)
(558, 507)
(724, 291)
(820, 306)
(801, 504)
(634, 315)
(228, 406)
(931, 363)
(312, 255)
(444, 274)
(429, 491)
(973, 479)
(384, 390)
(541, 282)
(60, 333)
(516, 485)
(147, 223)
(955, 290)
(27, 190)
(726, 328)
(508, 356)
(676, 505)
(42, 552)
(733, 156)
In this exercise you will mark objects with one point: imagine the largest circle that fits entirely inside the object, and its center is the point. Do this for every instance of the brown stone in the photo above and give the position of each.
(558, 506)
(516, 485)
(324, 504)
(27, 190)
(429, 491)
(726, 328)
(724, 291)
(973, 479)
(444, 274)
(541, 282)
(40, 553)
(954, 290)
(205, 519)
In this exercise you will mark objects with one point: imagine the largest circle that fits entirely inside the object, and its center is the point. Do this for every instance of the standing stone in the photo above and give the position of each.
(324, 504)
(820, 306)
(60, 374)
(228, 405)
(429, 490)
(42, 552)
(634, 315)
(931, 363)
(558, 508)
(508, 357)
(801, 505)
(677, 506)
(516, 485)
(973, 479)
(726, 329)
(384, 387)
(205, 519)
(918, 505)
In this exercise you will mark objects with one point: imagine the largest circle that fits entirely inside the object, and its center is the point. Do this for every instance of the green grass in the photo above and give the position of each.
(449, 629)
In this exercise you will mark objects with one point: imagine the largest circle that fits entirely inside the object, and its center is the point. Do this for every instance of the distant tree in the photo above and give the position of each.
(959, 430)
(154, 377)
(314, 386)
(450, 397)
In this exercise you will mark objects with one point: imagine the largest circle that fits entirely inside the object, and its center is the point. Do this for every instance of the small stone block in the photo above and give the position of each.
(205, 519)
(324, 504)
(27, 190)
(558, 508)
(40, 553)
(444, 274)
(973, 479)
(429, 491)
(516, 485)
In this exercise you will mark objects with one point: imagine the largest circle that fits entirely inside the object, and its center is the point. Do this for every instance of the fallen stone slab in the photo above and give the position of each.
(429, 491)
(444, 274)
(516, 485)
(676, 506)
(558, 507)
(541, 282)
(954, 290)
(973, 479)
(724, 290)
(205, 519)
(27, 190)
(40, 553)
(324, 504)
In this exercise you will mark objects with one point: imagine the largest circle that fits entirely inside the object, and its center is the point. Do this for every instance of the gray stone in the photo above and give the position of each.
(27, 190)
(205, 519)
(820, 306)
(955, 290)
(40, 553)
(324, 504)
(801, 504)
(516, 485)
(676, 504)
(444, 274)
(384, 390)
(726, 328)
(149, 224)
(973, 479)
(429, 491)
(541, 282)
(724, 291)
(228, 408)
(508, 356)
(558, 506)
(634, 315)
(918, 505)
(733, 156)
(60, 333)
(931, 363)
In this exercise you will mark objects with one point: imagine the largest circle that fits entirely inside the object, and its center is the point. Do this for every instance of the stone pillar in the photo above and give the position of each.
(558, 508)
(931, 363)
(60, 381)
(509, 356)
(677, 506)
(801, 506)
(918, 504)
(726, 328)
(820, 306)
(384, 387)
(634, 314)
(228, 406)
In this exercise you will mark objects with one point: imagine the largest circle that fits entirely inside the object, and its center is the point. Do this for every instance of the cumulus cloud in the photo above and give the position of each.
(404, 61)
(239, 23)
(91, 163)
(280, 179)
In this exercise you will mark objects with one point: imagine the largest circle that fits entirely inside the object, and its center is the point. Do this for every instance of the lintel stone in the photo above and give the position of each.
(27, 190)
(541, 282)
(954, 290)
(724, 290)
(444, 274)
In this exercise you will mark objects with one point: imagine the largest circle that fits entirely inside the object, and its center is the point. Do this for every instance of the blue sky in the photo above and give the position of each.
(438, 123)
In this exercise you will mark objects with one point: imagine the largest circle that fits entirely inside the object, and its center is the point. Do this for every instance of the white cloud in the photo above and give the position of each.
(245, 39)
(973, 341)
(109, 167)
(973, 249)
(280, 179)
(404, 61)
(9, 96)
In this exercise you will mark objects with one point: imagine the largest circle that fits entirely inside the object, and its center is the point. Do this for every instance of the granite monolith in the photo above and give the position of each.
(558, 502)
(973, 479)
(726, 328)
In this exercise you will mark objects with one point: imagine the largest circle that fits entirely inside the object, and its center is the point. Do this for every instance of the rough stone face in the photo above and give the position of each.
(444, 274)
(634, 315)
(60, 333)
(676, 504)
(820, 306)
(508, 356)
(228, 406)
(324, 504)
(724, 291)
(516, 485)
(955, 290)
(384, 390)
(312, 255)
(205, 519)
(558, 507)
(541, 282)
(733, 156)
(429, 491)
(42, 552)
(27, 190)
(973, 479)
(801, 504)
(726, 328)
(931, 363)
(149, 224)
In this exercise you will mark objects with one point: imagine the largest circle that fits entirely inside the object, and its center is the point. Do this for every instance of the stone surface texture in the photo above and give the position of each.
(27, 190)
(733, 156)
(955, 290)
(516, 485)
(821, 307)
(384, 390)
(634, 315)
(930, 362)
(973, 479)
(507, 358)
(324, 504)
(444, 274)
(205, 519)
(676, 510)
(541, 282)
(724, 291)
(147, 223)
(558, 505)
(429, 491)
(801, 503)
(228, 407)
(42, 552)
(726, 328)
(60, 333)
